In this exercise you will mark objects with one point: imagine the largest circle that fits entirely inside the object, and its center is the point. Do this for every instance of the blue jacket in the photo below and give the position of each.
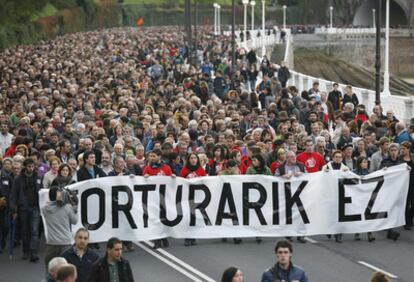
(83, 265)
(276, 273)
(403, 136)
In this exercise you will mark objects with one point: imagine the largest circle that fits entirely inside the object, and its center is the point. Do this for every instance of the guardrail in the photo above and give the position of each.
(355, 31)
(403, 107)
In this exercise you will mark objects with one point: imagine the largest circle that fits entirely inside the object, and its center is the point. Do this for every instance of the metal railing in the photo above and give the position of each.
(403, 107)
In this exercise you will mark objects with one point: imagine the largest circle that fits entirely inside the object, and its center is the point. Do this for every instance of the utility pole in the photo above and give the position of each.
(233, 42)
(378, 55)
(195, 32)
(187, 14)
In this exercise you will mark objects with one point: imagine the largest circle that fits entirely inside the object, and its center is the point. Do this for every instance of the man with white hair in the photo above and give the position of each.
(401, 133)
(53, 268)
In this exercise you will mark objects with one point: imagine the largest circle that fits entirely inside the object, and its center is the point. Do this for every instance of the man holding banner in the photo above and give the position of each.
(332, 202)
(155, 167)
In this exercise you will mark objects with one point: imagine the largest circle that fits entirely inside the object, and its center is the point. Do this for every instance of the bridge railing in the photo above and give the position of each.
(400, 32)
(403, 107)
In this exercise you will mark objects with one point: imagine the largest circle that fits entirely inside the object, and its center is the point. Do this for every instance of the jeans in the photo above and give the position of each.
(4, 227)
(252, 84)
(30, 219)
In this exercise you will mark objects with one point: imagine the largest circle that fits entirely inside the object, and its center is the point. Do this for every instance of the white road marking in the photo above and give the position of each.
(166, 261)
(182, 263)
(185, 265)
(311, 240)
(378, 269)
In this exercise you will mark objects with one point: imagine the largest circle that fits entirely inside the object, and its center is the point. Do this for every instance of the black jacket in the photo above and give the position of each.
(100, 271)
(83, 265)
(6, 185)
(25, 192)
(388, 162)
(83, 173)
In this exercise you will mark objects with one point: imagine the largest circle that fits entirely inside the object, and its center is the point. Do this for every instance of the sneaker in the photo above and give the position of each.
(357, 238)
(130, 247)
(237, 241)
(157, 244)
(289, 239)
(187, 242)
(371, 237)
(408, 226)
(393, 235)
(165, 243)
(258, 240)
(301, 240)
(34, 258)
(329, 236)
(193, 242)
(338, 238)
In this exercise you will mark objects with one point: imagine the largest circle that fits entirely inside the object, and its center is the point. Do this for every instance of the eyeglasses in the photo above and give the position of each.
(282, 252)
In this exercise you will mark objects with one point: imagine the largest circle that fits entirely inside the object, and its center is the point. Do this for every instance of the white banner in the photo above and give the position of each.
(138, 208)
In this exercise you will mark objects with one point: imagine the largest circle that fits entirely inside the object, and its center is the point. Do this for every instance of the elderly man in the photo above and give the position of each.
(53, 268)
(402, 133)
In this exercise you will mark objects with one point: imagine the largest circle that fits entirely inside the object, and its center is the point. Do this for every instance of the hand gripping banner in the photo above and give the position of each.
(138, 208)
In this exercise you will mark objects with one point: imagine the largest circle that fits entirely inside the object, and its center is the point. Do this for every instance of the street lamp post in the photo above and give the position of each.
(219, 19)
(284, 16)
(373, 18)
(331, 16)
(245, 3)
(387, 50)
(263, 27)
(378, 54)
(252, 3)
(215, 18)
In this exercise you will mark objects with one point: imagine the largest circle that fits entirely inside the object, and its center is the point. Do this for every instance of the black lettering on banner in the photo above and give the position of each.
(256, 206)
(126, 208)
(84, 208)
(145, 189)
(343, 200)
(275, 188)
(178, 205)
(290, 201)
(368, 211)
(199, 206)
(227, 197)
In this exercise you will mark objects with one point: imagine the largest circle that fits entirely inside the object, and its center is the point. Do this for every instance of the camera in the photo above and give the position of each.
(65, 196)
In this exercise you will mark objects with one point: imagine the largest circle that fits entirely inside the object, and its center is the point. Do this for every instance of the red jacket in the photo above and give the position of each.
(274, 166)
(244, 164)
(313, 162)
(186, 173)
(161, 170)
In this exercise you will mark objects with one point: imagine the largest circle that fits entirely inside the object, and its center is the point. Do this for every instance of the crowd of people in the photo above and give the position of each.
(125, 102)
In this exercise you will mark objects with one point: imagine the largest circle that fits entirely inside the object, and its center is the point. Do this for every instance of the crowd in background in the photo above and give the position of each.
(125, 102)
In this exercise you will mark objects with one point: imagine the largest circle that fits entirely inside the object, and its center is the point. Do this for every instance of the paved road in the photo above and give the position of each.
(323, 260)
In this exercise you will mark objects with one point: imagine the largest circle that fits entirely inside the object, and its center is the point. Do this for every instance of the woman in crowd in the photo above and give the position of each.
(336, 164)
(362, 168)
(232, 274)
(280, 159)
(218, 162)
(408, 158)
(192, 169)
(48, 178)
(64, 177)
(258, 166)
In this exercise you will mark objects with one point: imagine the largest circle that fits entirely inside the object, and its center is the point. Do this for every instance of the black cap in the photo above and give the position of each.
(346, 146)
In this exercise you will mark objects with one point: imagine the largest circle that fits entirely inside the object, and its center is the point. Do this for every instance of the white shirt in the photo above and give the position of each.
(5, 142)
